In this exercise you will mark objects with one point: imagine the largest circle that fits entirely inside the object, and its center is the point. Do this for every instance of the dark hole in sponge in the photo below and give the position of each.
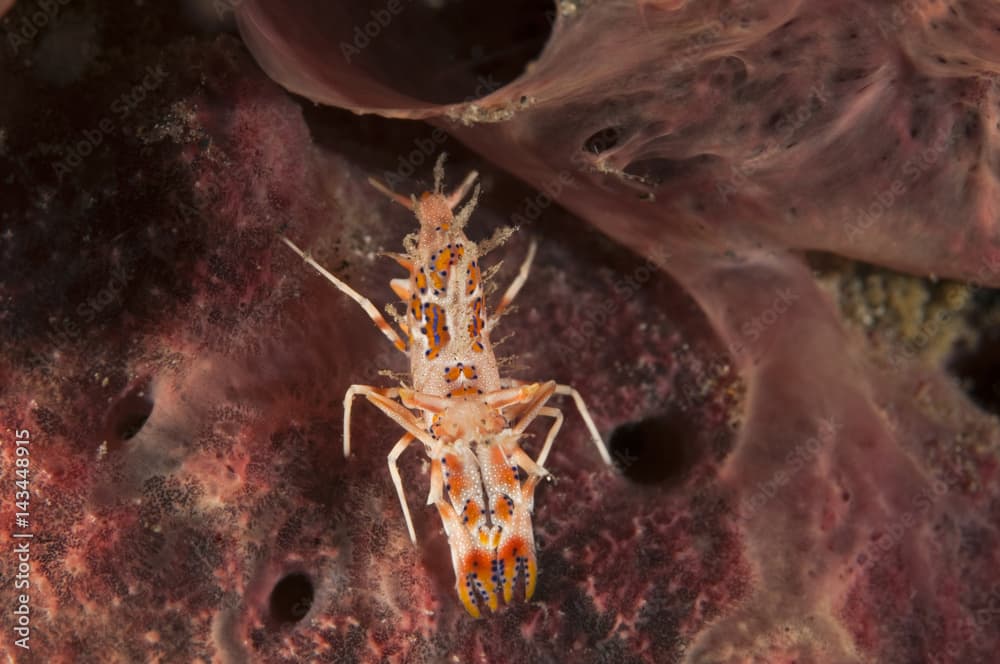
(440, 52)
(603, 140)
(662, 448)
(291, 598)
(133, 421)
(130, 413)
(978, 370)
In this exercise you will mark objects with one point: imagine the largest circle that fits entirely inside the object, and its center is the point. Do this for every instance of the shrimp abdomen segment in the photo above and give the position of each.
(510, 513)
(455, 474)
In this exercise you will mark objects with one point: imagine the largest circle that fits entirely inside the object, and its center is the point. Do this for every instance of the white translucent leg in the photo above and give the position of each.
(382, 398)
(397, 480)
(399, 198)
(587, 419)
(456, 196)
(553, 431)
(365, 303)
(518, 283)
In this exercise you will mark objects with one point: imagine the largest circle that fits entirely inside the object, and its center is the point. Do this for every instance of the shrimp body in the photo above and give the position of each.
(468, 418)
(450, 350)
(451, 357)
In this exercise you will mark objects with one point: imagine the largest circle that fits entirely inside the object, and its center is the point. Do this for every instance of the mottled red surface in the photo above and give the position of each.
(787, 497)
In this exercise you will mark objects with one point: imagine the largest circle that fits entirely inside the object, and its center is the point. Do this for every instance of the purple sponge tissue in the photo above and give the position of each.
(768, 243)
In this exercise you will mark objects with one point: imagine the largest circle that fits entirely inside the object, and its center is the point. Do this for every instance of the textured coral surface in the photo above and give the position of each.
(799, 476)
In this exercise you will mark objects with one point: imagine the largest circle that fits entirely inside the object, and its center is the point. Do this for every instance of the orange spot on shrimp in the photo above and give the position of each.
(465, 593)
(503, 509)
(440, 267)
(453, 473)
(467, 391)
(436, 329)
(471, 513)
(420, 281)
(443, 259)
(516, 559)
(455, 483)
(499, 466)
(478, 573)
(476, 325)
(455, 371)
(473, 278)
(439, 281)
